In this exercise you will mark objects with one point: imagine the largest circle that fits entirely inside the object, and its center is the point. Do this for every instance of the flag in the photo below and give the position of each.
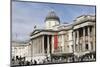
(55, 41)
(34, 26)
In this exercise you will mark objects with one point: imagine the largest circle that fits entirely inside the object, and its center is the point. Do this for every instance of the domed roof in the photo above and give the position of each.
(52, 15)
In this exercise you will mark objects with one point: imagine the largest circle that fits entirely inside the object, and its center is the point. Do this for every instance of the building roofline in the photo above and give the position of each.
(70, 25)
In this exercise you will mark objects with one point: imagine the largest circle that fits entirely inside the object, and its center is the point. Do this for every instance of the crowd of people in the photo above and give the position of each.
(20, 61)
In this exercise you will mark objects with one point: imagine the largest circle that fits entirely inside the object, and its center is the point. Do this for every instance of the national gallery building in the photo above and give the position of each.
(70, 42)
(58, 43)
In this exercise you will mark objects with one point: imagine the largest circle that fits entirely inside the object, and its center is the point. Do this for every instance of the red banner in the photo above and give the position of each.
(55, 41)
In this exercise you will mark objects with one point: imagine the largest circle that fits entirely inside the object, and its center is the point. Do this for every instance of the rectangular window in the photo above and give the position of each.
(80, 47)
(86, 31)
(91, 45)
(76, 47)
(80, 32)
(72, 47)
(67, 37)
(91, 31)
(86, 47)
(76, 34)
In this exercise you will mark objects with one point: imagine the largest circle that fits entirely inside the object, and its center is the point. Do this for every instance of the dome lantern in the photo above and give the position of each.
(52, 16)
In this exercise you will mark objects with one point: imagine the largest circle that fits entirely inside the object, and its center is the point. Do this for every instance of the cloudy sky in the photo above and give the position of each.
(25, 15)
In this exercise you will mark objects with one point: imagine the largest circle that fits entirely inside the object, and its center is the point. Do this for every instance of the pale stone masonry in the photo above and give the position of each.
(84, 34)
(77, 38)
(21, 49)
(75, 41)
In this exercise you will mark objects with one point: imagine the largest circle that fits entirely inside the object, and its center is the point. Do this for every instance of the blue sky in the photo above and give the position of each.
(25, 15)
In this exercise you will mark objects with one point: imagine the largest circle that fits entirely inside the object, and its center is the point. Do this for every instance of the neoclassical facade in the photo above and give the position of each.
(84, 36)
(21, 50)
(57, 43)
(65, 42)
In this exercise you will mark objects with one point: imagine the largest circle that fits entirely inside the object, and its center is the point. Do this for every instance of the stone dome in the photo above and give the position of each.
(52, 15)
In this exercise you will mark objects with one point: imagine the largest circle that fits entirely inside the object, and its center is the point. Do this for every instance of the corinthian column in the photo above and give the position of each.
(89, 38)
(83, 45)
(43, 44)
(94, 37)
(77, 40)
(74, 41)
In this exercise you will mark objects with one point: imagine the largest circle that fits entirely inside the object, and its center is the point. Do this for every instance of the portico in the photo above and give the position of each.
(83, 36)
